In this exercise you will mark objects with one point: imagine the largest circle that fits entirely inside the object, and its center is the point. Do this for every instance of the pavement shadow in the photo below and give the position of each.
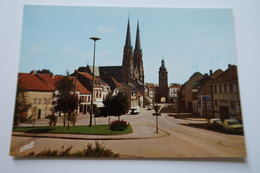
(206, 127)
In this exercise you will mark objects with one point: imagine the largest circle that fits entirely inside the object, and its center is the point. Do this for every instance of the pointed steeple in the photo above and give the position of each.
(137, 41)
(128, 36)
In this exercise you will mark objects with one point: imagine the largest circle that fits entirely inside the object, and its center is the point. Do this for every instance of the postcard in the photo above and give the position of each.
(123, 82)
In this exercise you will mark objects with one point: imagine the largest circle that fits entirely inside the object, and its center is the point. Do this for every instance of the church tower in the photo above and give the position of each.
(163, 91)
(127, 65)
(138, 58)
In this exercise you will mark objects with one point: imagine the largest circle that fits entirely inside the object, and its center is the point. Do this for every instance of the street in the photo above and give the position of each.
(175, 139)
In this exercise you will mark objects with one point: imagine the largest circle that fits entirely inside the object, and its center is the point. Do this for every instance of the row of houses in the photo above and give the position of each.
(41, 90)
(212, 95)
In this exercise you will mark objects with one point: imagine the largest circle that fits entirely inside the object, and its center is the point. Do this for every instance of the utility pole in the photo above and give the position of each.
(91, 113)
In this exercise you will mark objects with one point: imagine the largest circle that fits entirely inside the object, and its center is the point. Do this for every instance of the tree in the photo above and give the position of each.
(116, 105)
(44, 71)
(21, 105)
(66, 101)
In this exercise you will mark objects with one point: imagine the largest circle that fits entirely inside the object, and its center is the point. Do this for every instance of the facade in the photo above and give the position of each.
(188, 93)
(226, 95)
(40, 89)
(163, 90)
(204, 94)
(101, 89)
(173, 93)
(151, 92)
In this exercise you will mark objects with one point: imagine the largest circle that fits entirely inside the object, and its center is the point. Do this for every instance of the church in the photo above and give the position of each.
(131, 74)
(132, 71)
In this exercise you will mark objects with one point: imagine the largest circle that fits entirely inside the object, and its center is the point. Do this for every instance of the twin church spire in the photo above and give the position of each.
(132, 67)
(128, 37)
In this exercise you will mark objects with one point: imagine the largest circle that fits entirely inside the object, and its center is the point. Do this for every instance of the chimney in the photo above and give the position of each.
(32, 72)
(210, 72)
(229, 65)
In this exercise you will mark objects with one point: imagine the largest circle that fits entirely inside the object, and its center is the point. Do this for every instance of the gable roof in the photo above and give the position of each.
(114, 71)
(31, 82)
(112, 82)
(229, 75)
(88, 76)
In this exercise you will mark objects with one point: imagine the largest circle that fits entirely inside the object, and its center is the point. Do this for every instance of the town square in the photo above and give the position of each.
(167, 89)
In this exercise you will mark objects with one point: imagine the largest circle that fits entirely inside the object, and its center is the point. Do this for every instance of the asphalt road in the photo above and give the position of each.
(175, 140)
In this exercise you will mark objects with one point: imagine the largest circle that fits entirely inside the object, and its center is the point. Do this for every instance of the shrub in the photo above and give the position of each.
(119, 125)
(52, 120)
(98, 151)
(73, 118)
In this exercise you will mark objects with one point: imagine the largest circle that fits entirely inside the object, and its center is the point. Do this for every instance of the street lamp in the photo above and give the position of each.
(91, 113)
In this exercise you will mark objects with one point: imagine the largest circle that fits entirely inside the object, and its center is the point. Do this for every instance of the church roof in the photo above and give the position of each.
(137, 41)
(128, 36)
(114, 71)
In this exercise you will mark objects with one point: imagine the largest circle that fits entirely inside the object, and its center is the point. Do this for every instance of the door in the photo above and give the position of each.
(39, 113)
(224, 112)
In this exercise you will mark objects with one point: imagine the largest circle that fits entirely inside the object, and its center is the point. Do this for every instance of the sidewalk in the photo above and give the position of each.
(140, 131)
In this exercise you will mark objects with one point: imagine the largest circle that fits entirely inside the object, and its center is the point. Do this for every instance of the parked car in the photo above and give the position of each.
(232, 126)
(215, 123)
(134, 111)
(149, 108)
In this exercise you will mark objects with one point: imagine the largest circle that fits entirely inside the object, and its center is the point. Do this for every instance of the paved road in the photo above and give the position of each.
(174, 139)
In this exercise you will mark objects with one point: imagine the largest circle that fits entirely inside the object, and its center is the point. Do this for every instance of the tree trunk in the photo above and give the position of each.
(64, 117)
(68, 124)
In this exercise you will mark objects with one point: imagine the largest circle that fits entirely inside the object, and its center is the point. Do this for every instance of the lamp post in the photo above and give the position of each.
(91, 113)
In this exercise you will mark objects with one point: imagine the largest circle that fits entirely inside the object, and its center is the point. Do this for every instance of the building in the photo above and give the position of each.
(40, 89)
(151, 92)
(202, 89)
(101, 89)
(188, 94)
(226, 95)
(162, 92)
(173, 92)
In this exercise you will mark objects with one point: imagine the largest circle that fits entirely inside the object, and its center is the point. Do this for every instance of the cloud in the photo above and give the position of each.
(106, 29)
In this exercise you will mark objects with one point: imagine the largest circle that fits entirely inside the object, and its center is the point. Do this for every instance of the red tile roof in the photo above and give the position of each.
(229, 75)
(82, 89)
(31, 82)
(88, 76)
(50, 79)
(46, 82)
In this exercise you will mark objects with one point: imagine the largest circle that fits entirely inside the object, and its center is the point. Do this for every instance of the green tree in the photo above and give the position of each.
(21, 105)
(116, 105)
(66, 101)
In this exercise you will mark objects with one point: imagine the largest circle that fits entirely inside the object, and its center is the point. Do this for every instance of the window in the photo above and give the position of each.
(225, 88)
(35, 101)
(39, 101)
(235, 88)
(232, 104)
(220, 88)
(100, 94)
(231, 87)
(216, 102)
(45, 101)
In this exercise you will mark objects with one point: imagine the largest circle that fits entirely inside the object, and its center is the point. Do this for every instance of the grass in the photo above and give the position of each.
(94, 130)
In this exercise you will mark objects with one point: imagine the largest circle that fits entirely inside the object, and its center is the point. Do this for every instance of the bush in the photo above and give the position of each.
(52, 120)
(73, 118)
(118, 125)
(98, 151)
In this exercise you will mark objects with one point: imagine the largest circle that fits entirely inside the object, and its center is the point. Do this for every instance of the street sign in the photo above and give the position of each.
(156, 114)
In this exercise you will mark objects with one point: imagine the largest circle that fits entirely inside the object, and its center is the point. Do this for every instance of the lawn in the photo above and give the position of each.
(94, 130)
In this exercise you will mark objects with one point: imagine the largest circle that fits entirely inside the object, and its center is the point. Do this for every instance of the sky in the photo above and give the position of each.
(189, 40)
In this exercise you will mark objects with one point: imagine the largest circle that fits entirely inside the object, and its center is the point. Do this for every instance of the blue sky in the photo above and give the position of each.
(189, 40)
